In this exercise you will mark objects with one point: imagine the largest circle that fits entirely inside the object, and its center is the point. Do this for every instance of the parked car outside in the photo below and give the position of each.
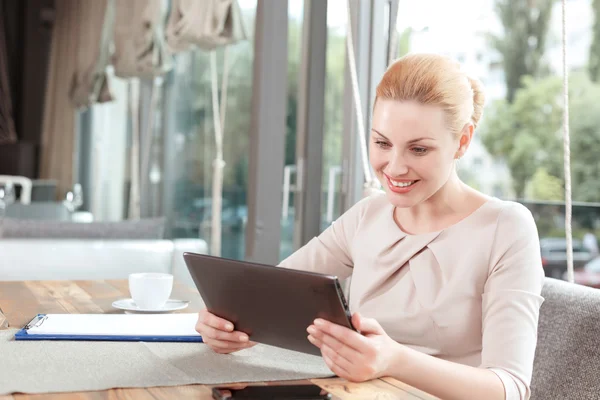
(554, 256)
(588, 275)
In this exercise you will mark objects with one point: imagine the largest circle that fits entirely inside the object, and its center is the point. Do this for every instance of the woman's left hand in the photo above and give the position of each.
(354, 356)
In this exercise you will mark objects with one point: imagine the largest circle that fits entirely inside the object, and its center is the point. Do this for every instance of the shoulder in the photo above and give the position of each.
(516, 240)
(516, 218)
(374, 203)
(500, 221)
(364, 210)
(514, 214)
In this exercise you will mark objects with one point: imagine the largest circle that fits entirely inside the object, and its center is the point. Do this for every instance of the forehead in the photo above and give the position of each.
(408, 119)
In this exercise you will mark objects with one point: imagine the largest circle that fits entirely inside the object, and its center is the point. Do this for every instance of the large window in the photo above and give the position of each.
(289, 185)
(514, 47)
(333, 135)
(191, 141)
(337, 30)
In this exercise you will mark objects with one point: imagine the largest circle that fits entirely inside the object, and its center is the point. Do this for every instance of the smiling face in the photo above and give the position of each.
(412, 151)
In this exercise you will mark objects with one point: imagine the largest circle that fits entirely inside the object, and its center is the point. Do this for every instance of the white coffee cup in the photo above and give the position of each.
(150, 290)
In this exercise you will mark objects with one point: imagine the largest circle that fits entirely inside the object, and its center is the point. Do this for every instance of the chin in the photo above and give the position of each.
(402, 200)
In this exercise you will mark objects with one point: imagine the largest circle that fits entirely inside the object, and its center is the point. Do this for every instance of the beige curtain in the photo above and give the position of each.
(207, 24)
(140, 49)
(58, 132)
(94, 32)
(140, 52)
(71, 83)
(7, 125)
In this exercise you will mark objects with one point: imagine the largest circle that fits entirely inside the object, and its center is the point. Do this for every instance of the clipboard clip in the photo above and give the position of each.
(37, 321)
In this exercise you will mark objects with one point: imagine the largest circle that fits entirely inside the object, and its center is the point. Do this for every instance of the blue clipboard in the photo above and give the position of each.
(22, 334)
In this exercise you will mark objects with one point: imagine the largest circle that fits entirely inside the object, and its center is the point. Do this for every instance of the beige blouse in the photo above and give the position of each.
(469, 293)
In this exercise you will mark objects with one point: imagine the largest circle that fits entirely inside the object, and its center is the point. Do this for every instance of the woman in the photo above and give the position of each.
(446, 281)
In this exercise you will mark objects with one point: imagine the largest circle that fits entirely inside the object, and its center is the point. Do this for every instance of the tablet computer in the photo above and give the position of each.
(273, 305)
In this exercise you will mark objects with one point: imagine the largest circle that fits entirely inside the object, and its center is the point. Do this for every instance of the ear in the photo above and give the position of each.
(464, 140)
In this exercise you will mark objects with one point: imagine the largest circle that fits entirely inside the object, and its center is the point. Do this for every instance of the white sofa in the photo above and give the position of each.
(68, 259)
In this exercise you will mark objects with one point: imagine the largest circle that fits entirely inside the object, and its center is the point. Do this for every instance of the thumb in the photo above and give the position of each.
(366, 325)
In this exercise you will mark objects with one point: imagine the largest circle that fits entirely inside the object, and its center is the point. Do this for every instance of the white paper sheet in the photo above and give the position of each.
(117, 324)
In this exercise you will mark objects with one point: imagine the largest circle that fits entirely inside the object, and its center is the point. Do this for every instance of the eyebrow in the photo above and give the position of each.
(410, 141)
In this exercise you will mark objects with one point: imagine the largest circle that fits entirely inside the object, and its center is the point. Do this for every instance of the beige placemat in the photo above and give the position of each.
(61, 366)
(3, 320)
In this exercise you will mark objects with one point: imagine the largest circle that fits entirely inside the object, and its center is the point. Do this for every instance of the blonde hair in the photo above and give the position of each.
(432, 79)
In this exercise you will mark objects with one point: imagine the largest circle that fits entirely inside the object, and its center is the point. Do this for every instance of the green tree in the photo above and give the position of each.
(523, 41)
(544, 186)
(526, 132)
(594, 58)
(584, 124)
(404, 41)
(468, 176)
(334, 100)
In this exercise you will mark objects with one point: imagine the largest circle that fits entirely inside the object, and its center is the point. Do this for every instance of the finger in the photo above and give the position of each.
(226, 345)
(222, 350)
(223, 344)
(347, 336)
(315, 341)
(229, 351)
(337, 358)
(216, 322)
(212, 333)
(219, 350)
(366, 325)
(230, 345)
(346, 352)
(336, 369)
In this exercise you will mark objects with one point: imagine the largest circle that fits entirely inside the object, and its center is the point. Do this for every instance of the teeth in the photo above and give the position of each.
(402, 184)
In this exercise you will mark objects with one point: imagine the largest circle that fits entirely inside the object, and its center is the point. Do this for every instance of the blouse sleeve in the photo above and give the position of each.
(511, 302)
(330, 252)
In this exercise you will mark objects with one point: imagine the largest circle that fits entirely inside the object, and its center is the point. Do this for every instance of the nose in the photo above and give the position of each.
(397, 165)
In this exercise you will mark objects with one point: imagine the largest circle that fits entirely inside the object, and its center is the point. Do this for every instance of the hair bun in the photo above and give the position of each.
(478, 99)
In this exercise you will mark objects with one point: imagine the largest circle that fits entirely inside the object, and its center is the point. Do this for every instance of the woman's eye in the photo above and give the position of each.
(419, 150)
(382, 144)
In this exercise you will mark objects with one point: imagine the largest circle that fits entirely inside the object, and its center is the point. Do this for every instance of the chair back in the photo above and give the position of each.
(567, 358)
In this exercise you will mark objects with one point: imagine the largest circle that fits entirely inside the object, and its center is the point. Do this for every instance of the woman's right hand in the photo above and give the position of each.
(219, 335)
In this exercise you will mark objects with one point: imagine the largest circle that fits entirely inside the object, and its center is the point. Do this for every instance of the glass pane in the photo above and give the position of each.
(295, 21)
(194, 142)
(337, 21)
(517, 151)
(106, 155)
(419, 31)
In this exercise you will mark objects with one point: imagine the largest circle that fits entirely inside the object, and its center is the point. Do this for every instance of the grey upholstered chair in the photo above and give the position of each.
(47, 211)
(148, 229)
(567, 358)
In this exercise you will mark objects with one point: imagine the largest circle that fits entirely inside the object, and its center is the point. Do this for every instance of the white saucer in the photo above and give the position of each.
(170, 305)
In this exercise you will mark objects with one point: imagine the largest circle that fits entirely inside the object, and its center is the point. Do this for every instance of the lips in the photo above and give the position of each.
(401, 186)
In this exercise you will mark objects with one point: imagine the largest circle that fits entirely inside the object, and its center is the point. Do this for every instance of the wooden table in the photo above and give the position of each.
(20, 301)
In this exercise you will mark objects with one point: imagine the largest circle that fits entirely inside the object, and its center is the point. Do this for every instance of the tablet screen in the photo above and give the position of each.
(283, 392)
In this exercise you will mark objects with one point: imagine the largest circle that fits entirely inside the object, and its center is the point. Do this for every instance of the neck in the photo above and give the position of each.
(447, 201)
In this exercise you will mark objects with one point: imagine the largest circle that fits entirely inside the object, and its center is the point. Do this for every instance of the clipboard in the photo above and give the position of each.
(111, 327)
